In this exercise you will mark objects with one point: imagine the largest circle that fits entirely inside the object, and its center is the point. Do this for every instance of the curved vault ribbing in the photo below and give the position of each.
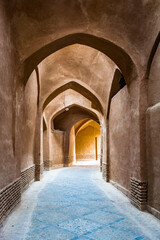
(61, 113)
(117, 54)
(78, 88)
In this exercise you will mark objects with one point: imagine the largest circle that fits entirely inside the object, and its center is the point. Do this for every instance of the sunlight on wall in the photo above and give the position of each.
(88, 142)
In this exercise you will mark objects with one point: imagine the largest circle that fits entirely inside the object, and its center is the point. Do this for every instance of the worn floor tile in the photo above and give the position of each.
(75, 203)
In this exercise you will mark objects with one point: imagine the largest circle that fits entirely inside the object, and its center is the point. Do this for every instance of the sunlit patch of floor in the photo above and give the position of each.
(75, 203)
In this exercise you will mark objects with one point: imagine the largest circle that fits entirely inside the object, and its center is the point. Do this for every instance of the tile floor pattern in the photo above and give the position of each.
(75, 203)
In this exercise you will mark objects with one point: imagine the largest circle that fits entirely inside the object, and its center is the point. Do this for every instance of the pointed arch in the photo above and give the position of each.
(114, 52)
(78, 88)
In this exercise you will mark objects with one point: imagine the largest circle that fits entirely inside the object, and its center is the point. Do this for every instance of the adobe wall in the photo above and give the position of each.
(153, 81)
(45, 145)
(56, 147)
(10, 185)
(30, 112)
(9, 169)
(153, 136)
(71, 153)
(119, 139)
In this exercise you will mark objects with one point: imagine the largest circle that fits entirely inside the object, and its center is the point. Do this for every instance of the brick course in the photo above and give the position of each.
(138, 193)
(10, 196)
(27, 176)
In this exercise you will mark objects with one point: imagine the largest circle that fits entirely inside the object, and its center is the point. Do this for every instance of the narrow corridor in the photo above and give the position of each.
(75, 203)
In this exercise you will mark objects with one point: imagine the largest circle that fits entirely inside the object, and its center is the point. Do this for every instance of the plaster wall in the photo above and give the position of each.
(56, 147)
(153, 133)
(72, 144)
(119, 139)
(153, 156)
(45, 145)
(85, 142)
(10, 170)
(30, 112)
(154, 80)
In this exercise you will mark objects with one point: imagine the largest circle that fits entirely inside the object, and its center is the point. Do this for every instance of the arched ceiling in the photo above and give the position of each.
(118, 55)
(88, 123)
(67, 119)
(67, 99)
(79, 124)
(37, 23)
(77, 63)
(78, 88)
(65, 53)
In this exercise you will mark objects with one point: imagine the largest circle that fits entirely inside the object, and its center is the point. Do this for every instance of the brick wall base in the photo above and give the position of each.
(27, 177)
(138, 193)
(10, 196)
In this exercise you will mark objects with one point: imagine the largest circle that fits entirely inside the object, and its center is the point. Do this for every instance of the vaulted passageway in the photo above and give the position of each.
(84, 85)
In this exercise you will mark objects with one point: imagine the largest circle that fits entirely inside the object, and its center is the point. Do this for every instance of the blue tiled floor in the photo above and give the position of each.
(75, 203)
